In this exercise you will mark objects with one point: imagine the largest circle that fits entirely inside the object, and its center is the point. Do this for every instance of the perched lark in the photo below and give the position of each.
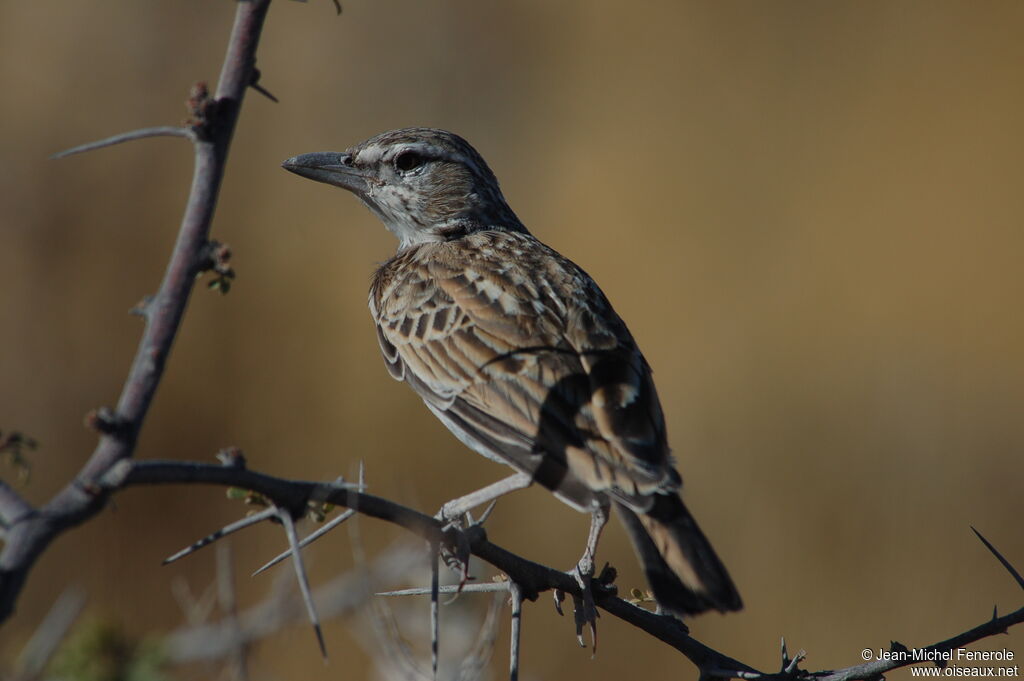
(519, 353)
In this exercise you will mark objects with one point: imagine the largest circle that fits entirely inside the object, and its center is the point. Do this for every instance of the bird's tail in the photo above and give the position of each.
(684, 572)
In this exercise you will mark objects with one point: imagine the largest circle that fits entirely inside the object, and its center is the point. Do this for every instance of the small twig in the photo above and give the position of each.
(13, 446)
(159, 131)
(791, 667)
(50, 633)
(195, 610)
(228, 602)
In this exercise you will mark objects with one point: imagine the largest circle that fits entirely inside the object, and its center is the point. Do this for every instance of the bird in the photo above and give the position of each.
(519, 353)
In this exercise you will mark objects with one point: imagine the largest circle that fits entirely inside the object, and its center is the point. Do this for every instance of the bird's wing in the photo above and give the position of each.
(519, 353)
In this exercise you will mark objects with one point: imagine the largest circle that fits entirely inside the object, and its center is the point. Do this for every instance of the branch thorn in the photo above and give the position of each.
(487, 512)
(159, 131)
(306, 541)
(255, 85)
(141, 308)
(221, 533)
(300, 573)
(435, 610)
(1006, 564)
(483, 587)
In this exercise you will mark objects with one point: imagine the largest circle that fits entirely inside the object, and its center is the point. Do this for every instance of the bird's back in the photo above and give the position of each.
(519, 353)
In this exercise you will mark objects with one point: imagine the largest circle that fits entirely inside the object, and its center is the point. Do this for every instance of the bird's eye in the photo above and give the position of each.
(409, 160)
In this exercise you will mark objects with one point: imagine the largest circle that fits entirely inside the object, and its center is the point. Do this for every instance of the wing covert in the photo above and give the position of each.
(520, 354)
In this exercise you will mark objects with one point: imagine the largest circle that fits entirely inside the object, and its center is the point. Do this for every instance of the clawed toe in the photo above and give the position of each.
(583, 608)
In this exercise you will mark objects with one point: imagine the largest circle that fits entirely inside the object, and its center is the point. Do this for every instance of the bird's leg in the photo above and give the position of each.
(456, 555)
(584, 610)
(598, 519)
(456, 508)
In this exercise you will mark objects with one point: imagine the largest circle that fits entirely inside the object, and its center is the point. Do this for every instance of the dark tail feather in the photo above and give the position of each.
(682, 569)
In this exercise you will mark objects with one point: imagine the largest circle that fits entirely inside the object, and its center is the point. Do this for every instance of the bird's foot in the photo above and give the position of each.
(451, 514)
(585, 613)
(454, 548)
(454, 551)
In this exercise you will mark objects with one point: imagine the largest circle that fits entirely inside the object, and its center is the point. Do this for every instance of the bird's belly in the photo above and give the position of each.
(570, 490)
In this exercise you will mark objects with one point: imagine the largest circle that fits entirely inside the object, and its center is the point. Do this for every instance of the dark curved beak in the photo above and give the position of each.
(331, 167)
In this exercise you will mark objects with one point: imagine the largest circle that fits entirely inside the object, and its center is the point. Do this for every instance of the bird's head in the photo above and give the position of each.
(424, 184)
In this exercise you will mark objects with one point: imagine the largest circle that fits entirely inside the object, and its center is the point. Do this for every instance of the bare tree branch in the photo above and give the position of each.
(213, 124)
(290, 494)
(13, 509)
(227, 602)
(530, 578)
(50, 633)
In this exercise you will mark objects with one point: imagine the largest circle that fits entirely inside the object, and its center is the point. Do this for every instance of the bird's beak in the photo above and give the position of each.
(331, 167)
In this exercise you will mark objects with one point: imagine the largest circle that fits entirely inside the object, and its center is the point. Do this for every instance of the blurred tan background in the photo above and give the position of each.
(809, 214)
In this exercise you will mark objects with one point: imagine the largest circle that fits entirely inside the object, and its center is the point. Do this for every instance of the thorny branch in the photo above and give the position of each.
(341, 596)
(527, 579)
(27, 531)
